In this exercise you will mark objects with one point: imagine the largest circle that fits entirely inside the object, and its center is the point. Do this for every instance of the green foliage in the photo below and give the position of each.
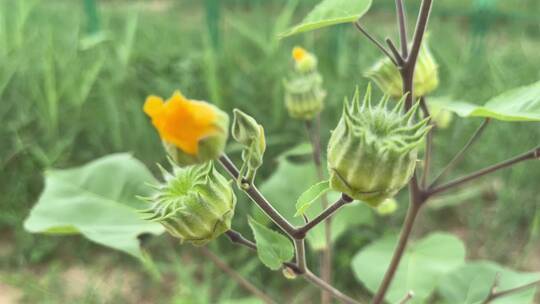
(310, 196)
(470, 283)
(273, 248)
(521, 104)
(330, 12)
(423, 265)
(98, 201)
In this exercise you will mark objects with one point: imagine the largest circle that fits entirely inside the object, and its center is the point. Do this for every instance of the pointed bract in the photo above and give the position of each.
(372, 153)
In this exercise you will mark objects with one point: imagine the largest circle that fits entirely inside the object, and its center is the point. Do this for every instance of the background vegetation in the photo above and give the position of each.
(72, 84)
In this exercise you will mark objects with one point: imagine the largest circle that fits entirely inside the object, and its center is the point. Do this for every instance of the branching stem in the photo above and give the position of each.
(532, 154)
(314, 135)
(236, 276)
(459, 156)
(494, 294)
(237, 238)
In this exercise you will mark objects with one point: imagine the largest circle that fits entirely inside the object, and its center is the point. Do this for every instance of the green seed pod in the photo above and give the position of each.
(372, 152)
(426, 77)
(195, 204)
(304, 96)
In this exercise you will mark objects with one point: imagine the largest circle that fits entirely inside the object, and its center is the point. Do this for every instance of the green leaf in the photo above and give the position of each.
(471, 283)
(311, 195)
(330, 12)
(98, 201)
(520, 104)
(424, 263)
(294, 172)
(273, 248)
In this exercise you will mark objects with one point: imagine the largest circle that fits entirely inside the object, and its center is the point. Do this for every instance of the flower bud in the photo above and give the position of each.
(245, 129)
(250, 134)
(193, 132)
(305, 62)
(372, 152)
(387, 207)
(441, 118)
(304, 94)
(195, 204)
(426, 77)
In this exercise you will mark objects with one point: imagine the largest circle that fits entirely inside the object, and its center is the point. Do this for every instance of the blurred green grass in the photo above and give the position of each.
(70, 95)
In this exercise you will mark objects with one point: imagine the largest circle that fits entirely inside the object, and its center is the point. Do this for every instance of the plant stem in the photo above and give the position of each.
(428, 154)
(374, 41)
(259, 199)
(533, 154)
(236, 276)
(292, 231)
(307, 274)
(407, 298)
(314, 135)
(493, 295)
(417, 195)
(412, 213)
(238, 238)
(459, 156)
(402, 24)
(300, 248)
(327, 213)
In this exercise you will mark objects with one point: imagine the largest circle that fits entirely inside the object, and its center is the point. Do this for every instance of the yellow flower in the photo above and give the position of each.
(299, 54)
(181, 121)
(305, 62)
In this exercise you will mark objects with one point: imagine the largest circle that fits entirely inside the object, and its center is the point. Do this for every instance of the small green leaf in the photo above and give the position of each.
(310, 195)
(472, 282)
(424, 263)
(520, 104)
(297, 165)
(330, 12)
(273, 248)
(97, 200)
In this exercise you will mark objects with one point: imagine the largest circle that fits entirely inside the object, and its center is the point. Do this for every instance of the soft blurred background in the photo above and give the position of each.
(74, 75)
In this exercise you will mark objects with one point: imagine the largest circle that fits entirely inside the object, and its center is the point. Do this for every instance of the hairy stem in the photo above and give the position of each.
(533, 154)
(314, 134)
(259, 199)
(236, 276)
(459, 156)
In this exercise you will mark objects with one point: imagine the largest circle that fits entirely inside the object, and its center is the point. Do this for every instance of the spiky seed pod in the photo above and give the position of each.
(195, 203)
(426, 76)
(372, 152)
(304, 96)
